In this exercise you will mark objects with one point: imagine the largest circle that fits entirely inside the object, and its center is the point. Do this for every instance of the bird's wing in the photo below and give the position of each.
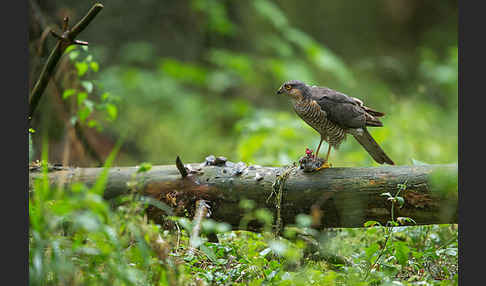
(346, 111)
(320, 91)
(340, 108)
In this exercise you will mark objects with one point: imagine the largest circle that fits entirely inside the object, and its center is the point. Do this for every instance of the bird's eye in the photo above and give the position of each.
(288, 87)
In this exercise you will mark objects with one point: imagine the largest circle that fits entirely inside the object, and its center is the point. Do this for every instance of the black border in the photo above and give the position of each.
(15, 92)
(471, 144)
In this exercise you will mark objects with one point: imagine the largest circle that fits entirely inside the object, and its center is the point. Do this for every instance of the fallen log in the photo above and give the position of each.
(337, 197)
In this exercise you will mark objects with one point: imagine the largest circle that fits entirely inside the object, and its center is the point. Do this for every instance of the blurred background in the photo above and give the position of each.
(194, 78)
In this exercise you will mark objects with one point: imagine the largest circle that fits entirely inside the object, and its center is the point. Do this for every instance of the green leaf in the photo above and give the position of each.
(156, 203)
(371, 223)
(144, 167)
(73, 55)
(89, 104)
(393, 223)
(82, 97)
(94, 66)
(87, 221)
(67, 93)
(400, 201)
(208, 225)
(88, 86)
(452, 251)
(69, 49)
(100, 184)
(264, 216)
(247, 204)
(94, 123)
(265, 252)
(83, 113)
(372, 251)
(271, 12)
(387, 194)
(209, 252)
(401, 253)
(403, 220)
(303, 220)
(402, 187)
(82, 68)
(222, 227)
(105, 96)
(112, 111)
(278, 247)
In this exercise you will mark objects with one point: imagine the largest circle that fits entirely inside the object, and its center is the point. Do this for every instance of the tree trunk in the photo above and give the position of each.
(335, 197)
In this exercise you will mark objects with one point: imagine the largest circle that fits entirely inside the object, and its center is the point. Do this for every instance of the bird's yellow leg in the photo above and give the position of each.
(328, 153)
(326, 163)
(318, 147)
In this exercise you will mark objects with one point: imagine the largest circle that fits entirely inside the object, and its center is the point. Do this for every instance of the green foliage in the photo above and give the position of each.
(76, 238)
(317, 55)
(440, 75)
(271, 138)
(87, 102)
(216, 19)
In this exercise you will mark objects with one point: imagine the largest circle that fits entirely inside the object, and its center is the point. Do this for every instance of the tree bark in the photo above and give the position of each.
(66, 39)
(334, 197)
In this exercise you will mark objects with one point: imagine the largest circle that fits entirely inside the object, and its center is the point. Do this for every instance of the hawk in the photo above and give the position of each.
(334, 115)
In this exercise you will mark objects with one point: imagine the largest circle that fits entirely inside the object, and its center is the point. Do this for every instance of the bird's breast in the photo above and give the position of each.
(312, 114)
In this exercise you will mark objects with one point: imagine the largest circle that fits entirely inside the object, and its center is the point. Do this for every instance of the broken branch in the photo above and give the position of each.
(202, 211)
(64, 40)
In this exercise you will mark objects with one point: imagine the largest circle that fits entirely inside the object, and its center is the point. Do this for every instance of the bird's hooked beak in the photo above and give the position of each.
(280, 90)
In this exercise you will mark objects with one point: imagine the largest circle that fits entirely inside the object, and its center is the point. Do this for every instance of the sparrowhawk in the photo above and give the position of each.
(334, 115)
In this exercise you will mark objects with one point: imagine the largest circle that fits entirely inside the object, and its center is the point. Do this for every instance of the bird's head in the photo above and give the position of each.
(295, 88)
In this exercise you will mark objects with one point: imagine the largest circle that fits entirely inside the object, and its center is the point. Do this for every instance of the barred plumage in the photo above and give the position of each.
(312, 114)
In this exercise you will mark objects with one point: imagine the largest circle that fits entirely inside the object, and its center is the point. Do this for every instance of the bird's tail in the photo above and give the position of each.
(373, 112)
(372, 147)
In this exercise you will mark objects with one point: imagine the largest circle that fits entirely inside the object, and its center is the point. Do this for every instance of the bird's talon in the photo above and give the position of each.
(324, 166)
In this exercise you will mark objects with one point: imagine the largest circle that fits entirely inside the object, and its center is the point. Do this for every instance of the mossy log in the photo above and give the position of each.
(334, 197)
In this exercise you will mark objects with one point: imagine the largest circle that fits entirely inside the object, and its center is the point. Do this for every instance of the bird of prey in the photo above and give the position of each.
(334, 115)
